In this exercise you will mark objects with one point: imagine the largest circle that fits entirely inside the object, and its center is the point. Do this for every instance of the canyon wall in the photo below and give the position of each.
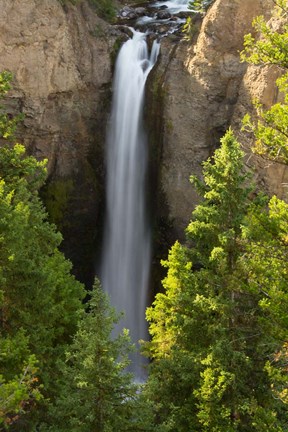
(60, 57)
(205, 88)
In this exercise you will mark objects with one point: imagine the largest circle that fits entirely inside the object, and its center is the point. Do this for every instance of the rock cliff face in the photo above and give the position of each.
(60, 59)
(204, 89)
(259, 83)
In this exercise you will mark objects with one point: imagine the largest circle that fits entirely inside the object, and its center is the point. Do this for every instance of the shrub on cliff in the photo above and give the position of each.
(270, 48)
(200, 5)
(106, 9)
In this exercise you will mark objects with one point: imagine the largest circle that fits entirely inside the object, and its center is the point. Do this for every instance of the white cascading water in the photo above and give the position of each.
(126, 257)
(174, 6)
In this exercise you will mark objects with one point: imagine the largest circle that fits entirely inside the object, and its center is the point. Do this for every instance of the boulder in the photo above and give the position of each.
(163, 14)
(141, 11)
(128, 13)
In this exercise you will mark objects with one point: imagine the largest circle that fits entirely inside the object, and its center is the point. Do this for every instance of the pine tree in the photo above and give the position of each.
(97, 393)
(265, 262)
(211, 335)
(40, 295)
(19, 383)
(40, 299)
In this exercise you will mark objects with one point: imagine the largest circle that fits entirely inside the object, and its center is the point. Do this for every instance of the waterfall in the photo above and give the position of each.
(126, 256)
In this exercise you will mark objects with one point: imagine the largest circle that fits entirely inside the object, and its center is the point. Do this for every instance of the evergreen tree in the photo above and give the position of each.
(265, 262)
(19, 384)
(40, 295)
(97, 393)
(40, 298)
(212, 335)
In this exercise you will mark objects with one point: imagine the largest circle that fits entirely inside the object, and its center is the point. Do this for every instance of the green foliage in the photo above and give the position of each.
(7, 125)
(40, 300)
(106, 9)
(5, 79)
(18, 394)
(19, 386)
(189, 29)
(115, 50)
(96, 394)
(219, 326)
(271, 48)
(200, 5)
(56, 196)
(31, 267)
(270, 131)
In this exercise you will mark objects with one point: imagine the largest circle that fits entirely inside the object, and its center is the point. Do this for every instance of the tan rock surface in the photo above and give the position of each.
(259, 84)
(60, 59)
(59, 68)
(205, 85)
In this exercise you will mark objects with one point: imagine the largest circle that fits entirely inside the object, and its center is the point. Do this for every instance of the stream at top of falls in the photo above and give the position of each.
(174, 6)
(126, 251)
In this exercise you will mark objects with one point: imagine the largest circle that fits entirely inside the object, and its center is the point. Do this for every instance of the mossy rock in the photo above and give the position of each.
(56, 195)
(116, 48)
